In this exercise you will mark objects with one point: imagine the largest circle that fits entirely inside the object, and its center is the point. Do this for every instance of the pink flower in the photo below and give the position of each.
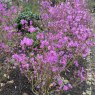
(6, 28)
(80, 74)
(54, 69)
(69, 85)
(23, 21)
(76, 63)
(44, 43)
(45, 16)
(40, 36)
(52, 57)
(31, 22)
(25, 66)
(51, 10)
(65, 88)
(19, 57)
(26, 41)
(16, 57)
(60, 82)
(32, 29)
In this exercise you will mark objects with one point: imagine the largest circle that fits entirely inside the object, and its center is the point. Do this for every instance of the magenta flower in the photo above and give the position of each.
(60, 82)
(51, 10)
(26, 41)
(6, 28)
(44, 43)
(19, 57)
(69, 85)
(32, 29)
(23, 21)
(16, 57)
(52, 57)
(25, 66)
(31, 22)
(81, 74)
(76, 63)
(65, 88)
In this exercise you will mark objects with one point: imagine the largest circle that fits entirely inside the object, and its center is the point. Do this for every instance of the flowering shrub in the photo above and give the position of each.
(69, 34)
(53, 59)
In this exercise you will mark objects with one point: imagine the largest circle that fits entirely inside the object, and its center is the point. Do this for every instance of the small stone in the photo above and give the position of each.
(5, 75)
(2, 84)
(25, 94)
(12, 81)
(15, 87)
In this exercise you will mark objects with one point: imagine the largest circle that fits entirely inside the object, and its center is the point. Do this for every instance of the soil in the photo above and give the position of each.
(20, 86)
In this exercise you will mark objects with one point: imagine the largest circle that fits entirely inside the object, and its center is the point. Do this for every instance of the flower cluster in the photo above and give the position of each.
(67, 36)
(26, 41)
(21, 60)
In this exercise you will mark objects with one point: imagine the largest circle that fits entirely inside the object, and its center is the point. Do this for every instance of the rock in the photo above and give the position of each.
(25, 94)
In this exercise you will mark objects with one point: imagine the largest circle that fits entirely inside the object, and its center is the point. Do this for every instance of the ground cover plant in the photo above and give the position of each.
(50, 48)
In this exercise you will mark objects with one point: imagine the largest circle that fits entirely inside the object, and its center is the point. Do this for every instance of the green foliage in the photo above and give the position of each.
(91, 5)
(27, 15)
